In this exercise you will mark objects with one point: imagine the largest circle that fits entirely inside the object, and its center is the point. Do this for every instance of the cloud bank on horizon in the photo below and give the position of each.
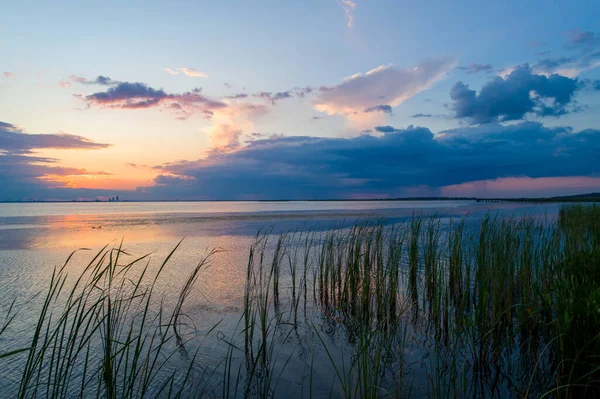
(488, 126)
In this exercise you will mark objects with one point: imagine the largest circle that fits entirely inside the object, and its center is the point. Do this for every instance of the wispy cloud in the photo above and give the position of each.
(582, 39)
(475, 67)
(237, 96)
(8, 74)
(99, 80)
(186, 71)
(584, 55)
(348, 6)
(386, 109)
(272, 98)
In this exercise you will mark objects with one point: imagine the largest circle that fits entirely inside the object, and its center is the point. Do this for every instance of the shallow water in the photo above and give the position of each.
(34, 238)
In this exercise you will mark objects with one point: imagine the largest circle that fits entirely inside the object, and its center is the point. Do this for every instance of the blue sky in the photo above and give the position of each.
(197, 99)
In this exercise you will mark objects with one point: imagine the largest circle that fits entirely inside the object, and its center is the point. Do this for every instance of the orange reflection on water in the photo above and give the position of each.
(89, 231)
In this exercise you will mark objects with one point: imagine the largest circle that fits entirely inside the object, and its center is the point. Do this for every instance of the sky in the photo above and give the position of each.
(319, 99)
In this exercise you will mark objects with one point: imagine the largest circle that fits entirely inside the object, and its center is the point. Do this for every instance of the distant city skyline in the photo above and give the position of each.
(330, 99)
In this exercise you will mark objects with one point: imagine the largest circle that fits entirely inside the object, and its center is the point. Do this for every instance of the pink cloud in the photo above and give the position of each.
(77, 79)
(384, 86)
(8, 74)
(229, 125)
(128, 95)
(524, 187)
(191, 72)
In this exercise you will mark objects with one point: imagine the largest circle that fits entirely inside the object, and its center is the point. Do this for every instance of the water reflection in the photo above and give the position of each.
(27, 226)
(34, 238)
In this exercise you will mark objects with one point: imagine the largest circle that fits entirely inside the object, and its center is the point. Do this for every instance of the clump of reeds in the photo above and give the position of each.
(108, 334)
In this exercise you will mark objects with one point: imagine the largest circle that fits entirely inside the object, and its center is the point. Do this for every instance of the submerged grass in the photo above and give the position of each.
(496, 307)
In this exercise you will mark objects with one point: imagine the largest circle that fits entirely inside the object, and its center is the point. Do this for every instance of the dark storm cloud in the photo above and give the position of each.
(313, 167)
(475, 67)
(386, 109)
(510, 98)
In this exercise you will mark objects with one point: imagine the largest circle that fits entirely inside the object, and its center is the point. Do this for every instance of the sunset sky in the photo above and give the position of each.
(298, 100)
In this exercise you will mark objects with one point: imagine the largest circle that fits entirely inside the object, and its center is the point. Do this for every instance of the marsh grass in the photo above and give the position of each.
(491, 307)
(107, 334)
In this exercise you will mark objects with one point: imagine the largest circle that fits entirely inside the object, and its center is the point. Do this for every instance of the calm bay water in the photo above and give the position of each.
(34, 238)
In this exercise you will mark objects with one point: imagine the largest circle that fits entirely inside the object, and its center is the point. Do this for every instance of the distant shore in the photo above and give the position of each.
(593, 197)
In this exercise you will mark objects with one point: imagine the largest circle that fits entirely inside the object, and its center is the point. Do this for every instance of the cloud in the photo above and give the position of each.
(384, 84)
(15, 140)
(100, 80)
(570, 66)
(303, 91)
(385, 129)
(511, 98)
(173, 179)
(586, 39)
(525, 187)
(392, 164)
(536, 44)
(193, 73)
(475, 67)
(25, 174)
(585, 55)
(236, 96)
(8, 74)
(420, 115)
(230, 124)
(127, 95)
(348, 6)
(272, 98)
(171, 71)
(186, 71)
(386, 109)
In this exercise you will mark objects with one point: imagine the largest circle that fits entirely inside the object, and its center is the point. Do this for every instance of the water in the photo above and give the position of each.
(34, 238)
